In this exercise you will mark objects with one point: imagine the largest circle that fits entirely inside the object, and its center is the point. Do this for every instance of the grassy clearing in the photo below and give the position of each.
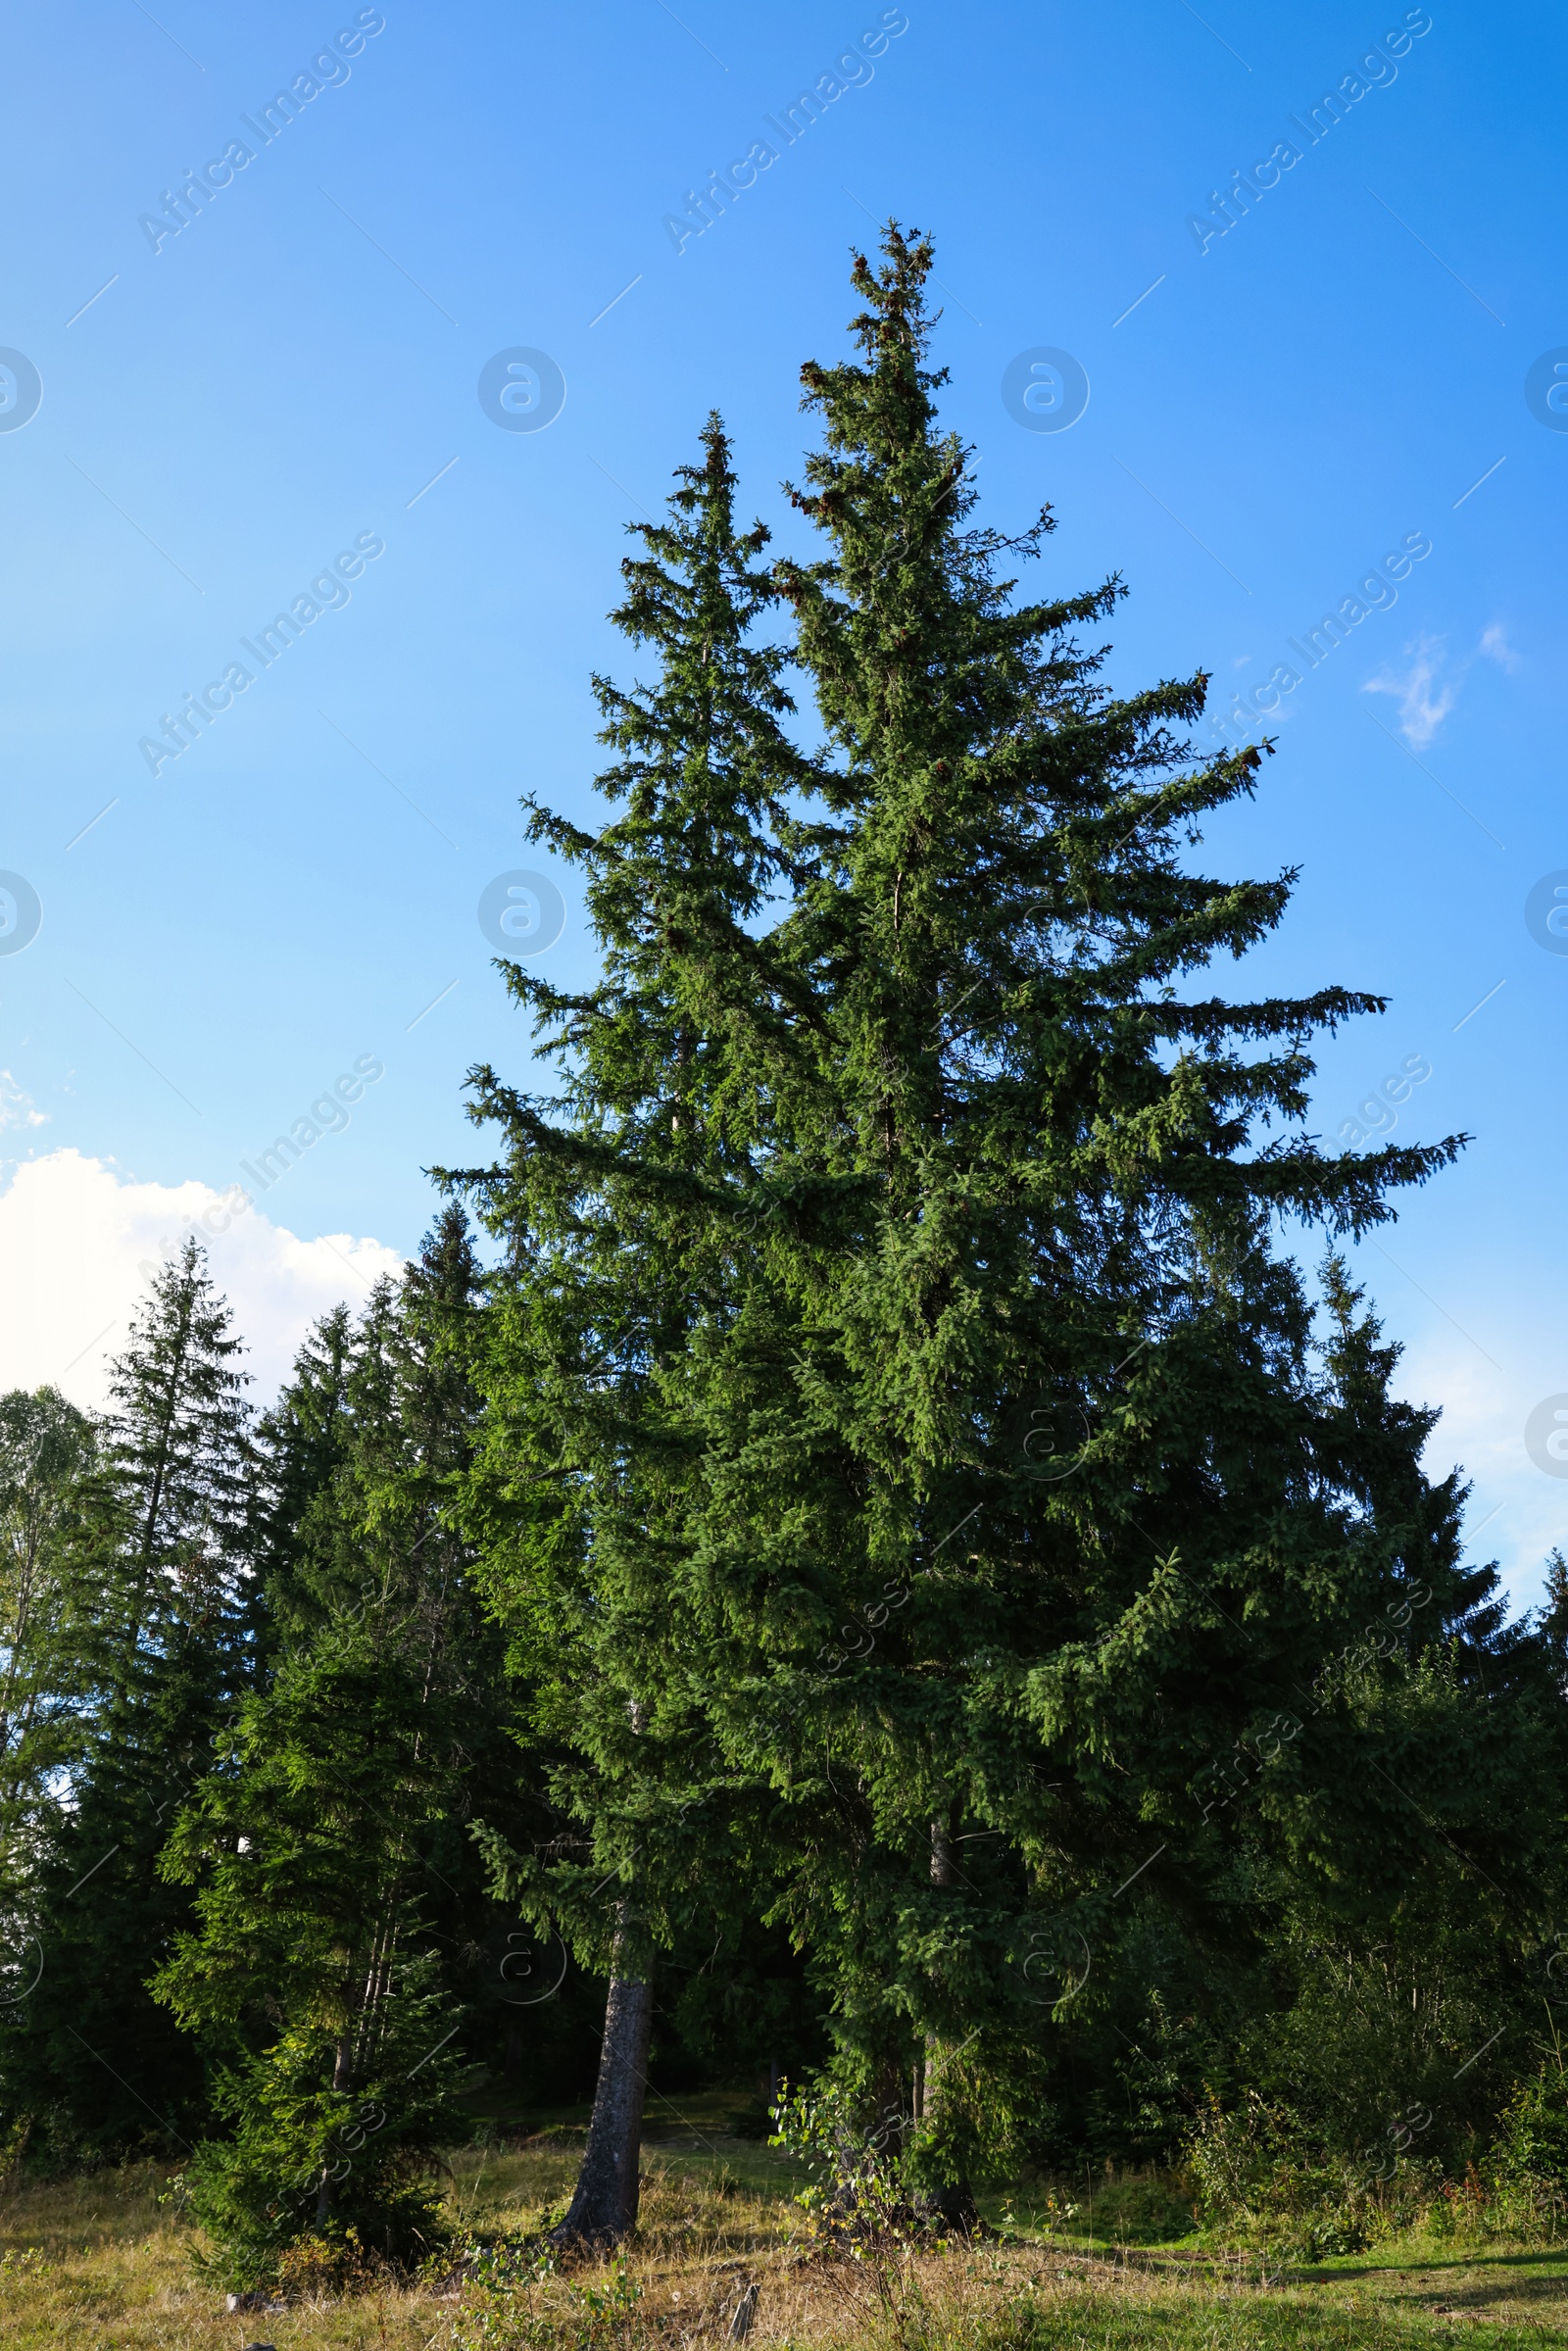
(98, 2264)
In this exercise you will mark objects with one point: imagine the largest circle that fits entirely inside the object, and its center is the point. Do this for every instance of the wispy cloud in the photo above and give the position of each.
(1496, 648)
(1422, 710)
(17, 1109)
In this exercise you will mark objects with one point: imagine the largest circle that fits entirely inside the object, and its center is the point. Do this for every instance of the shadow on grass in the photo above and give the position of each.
(1325, 2273)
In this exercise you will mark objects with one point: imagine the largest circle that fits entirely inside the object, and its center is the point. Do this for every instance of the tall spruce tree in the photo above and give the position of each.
(896, 1374)
(89, 2065)
(606, 1202)
(178, 1451)
(1025, 1494)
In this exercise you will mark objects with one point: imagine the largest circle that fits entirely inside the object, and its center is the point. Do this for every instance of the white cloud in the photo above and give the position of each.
(1421, 712)
(17, 1108)
(1515, 1513)
(1495, 646)
(75, 1235)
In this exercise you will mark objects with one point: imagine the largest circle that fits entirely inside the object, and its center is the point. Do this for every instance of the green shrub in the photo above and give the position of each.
(1533, 2142)
(1262, 2173)
(331, 2182)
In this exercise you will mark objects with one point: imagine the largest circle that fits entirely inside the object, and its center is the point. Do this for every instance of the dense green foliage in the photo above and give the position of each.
(891, 1368)
(49, 1641)
(893, 1547)
(330, 1843)
(152, 1539)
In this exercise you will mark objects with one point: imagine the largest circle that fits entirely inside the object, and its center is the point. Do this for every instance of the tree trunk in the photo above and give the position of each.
(953, 2202)
(604, 2204)
(342, 2077)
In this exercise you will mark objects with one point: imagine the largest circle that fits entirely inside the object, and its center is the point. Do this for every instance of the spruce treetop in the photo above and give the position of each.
(179, 1444)
(1008, 920)
(674, 886)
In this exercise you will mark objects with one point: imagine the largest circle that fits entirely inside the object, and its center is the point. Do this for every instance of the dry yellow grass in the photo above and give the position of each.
(100, 2260)
(99, 2264)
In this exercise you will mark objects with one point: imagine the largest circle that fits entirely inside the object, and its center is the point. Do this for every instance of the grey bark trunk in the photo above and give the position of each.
(342, 2077)
(953, 2203)
(604, 2204)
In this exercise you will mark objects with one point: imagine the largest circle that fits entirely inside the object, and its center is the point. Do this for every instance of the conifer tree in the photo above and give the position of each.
(178, 1448)
(614, 1257)
(1024, 1497)
(301, 1445)
(50, 1650)
(88, 2063)
(337, 1885)
(895, 1375)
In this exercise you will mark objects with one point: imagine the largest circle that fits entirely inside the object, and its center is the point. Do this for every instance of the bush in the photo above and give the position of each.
(1261, 2171)
(1533, 2142)
(318, 2186)
(859, 2194)
(1262, 2175)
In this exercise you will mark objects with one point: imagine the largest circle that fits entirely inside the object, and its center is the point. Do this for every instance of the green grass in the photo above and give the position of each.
(99, 2264)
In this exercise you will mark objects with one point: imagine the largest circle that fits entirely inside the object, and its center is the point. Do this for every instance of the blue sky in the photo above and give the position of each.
(1272, 410)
